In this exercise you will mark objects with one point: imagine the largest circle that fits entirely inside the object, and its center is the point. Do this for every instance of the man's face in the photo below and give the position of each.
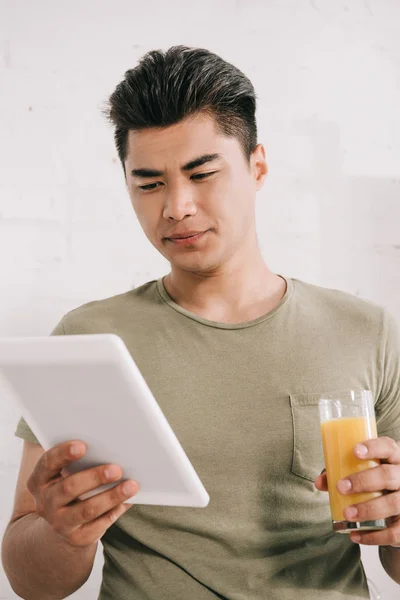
(197, 215)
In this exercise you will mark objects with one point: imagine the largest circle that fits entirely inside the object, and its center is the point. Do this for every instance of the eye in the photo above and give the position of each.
(149, 186)
(200, 176)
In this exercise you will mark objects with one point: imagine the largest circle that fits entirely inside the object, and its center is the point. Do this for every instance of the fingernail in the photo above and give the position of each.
(112, 471)
(129, 488)
(76, 449)
(355, 537)
(344, 486)
(351, 512)
(361, 450)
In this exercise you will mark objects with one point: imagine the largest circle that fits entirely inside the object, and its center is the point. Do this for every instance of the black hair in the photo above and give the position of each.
(168, 86)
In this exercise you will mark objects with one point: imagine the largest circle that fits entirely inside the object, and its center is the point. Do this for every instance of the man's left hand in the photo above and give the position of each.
(384, 478)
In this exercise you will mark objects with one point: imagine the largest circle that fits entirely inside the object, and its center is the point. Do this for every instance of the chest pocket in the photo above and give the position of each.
(308, 456)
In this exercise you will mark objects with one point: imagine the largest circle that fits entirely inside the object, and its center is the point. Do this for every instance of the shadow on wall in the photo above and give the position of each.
(360, 245)
(358, 229)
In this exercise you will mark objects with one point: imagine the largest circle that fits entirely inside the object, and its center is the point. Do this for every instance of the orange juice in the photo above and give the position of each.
(339, 436)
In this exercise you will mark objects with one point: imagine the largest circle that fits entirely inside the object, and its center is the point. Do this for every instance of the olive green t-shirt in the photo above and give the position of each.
(243, 402)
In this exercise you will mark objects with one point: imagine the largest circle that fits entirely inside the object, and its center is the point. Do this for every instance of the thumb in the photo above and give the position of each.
(321, 482)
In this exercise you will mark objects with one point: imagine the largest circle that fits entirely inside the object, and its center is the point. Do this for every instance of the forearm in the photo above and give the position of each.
(39, 564)
(390, 560)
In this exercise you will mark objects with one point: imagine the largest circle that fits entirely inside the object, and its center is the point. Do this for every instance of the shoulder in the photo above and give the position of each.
(339, 307)
(112, 312)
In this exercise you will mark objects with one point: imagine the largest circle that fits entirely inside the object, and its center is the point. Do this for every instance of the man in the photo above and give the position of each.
(237, 357)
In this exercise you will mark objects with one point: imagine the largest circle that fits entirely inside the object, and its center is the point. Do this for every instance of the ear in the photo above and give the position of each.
(259, 167)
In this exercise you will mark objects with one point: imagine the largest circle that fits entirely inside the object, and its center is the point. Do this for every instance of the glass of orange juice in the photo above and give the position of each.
(347, 418)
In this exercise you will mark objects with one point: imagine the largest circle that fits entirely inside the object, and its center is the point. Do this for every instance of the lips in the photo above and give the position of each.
(189, 238)
(184, 236)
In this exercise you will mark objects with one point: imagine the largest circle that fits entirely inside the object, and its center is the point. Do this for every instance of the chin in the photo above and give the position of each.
(202, 260)
(198, 266)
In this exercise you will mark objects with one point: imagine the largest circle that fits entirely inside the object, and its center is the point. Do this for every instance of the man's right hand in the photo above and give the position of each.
(80, 522)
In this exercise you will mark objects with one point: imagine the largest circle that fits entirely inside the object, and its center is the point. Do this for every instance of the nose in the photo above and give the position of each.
(179, 203)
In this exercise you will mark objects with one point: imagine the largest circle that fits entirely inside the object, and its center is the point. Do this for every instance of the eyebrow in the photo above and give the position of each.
(196, 162)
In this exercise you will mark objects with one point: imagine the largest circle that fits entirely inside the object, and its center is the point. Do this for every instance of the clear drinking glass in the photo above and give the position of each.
(347, 418)
(374, 593)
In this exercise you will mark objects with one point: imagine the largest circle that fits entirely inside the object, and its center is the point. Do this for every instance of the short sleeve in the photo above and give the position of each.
(387, 406)
(23, 430)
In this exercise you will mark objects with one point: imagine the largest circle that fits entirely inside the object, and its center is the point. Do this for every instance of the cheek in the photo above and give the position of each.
(216, 201)
(232, 202)
(146, 214)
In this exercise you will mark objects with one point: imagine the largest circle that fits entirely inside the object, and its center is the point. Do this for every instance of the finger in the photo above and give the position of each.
(89, 534)
(387, 505)
(377, 479)
(96, 529)
(51, 462)
(321, 483)
(69, 489)
(384, 537)
(83, 512)
(384, 448)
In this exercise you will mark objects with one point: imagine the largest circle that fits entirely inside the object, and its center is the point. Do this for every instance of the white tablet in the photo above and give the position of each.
(88, 387)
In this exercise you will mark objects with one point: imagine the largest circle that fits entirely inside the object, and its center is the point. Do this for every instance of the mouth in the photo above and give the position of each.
(188, 239)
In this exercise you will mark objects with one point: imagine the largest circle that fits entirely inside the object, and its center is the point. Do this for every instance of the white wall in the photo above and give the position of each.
(327, 73)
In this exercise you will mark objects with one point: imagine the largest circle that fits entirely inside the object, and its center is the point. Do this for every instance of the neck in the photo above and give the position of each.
(241, 290)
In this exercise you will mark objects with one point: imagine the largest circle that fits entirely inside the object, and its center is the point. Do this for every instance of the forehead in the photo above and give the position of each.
(177, 143)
